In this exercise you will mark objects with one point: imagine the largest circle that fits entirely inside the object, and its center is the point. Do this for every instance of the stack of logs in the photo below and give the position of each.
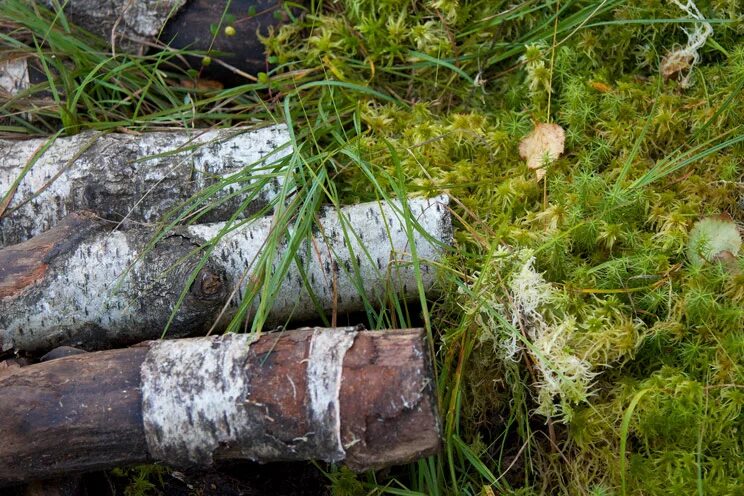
(79, 273)
(87, 383)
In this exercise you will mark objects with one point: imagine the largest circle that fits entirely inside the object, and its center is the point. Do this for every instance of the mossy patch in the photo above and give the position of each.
(576, 294)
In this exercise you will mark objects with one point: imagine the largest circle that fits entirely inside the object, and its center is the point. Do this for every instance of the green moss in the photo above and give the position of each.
(609, 236)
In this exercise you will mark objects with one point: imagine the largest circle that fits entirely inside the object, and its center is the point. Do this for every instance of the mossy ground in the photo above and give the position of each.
(579, 351)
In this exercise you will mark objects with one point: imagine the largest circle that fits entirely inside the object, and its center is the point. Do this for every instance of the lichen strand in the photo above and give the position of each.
(134, 177)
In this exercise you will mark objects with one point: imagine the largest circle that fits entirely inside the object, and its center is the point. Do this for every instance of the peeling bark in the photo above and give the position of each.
(133, 177)
(280, 397)
(14, 77)
(67, 289)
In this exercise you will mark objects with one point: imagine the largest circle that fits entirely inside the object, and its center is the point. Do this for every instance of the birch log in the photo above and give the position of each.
(14, 77)
(133, 177)
(78, 284)
(70, 286)
(128, 23)
(362, 398)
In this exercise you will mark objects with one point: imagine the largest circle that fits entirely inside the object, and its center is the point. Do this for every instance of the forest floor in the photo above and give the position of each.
(589, 336)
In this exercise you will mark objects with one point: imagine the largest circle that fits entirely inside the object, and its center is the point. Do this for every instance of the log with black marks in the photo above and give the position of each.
(362, 398)
(65, 287)
(78, 284)
(133, 177)
(358, 252)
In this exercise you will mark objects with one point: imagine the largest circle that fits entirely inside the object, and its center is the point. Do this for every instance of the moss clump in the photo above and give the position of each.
(713, 239)
(575, 295)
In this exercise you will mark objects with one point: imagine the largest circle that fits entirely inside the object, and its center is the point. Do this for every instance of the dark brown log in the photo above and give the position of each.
(63, 486)
(134, 26)
(82, 411)
(361, 398)
(190, 28)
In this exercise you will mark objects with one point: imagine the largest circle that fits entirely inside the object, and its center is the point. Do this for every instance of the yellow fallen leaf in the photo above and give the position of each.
(542, 147)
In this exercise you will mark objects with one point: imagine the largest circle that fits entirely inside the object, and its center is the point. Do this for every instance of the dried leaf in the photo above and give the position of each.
(676, 63)
(201, 84)
(542, 147)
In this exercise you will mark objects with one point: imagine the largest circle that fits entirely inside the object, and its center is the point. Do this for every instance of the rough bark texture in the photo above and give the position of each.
(359, 397)
(61, 289)
(78, 284)
(133, 177)
(361, 252)
(82, 412)
(373, 441)
(132, 22)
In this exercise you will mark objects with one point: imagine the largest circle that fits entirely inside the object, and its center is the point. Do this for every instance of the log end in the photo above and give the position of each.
(388, 404)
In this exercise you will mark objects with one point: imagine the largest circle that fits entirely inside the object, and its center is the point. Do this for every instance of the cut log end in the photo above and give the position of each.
(393, 378)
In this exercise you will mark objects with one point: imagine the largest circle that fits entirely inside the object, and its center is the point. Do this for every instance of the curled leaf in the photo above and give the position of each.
(542, 147)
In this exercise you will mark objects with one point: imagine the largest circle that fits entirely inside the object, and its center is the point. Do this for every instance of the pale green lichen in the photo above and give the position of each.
(713, 238)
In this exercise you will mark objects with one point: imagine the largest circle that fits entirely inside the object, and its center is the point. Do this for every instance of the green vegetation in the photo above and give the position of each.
(586, 343)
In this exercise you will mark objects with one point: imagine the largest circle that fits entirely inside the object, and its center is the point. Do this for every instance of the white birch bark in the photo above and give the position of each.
(129, 22)
(87, 298)
(360, 252)
(196, 398)
(98, 295)
(14, 77)
(133, 177)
